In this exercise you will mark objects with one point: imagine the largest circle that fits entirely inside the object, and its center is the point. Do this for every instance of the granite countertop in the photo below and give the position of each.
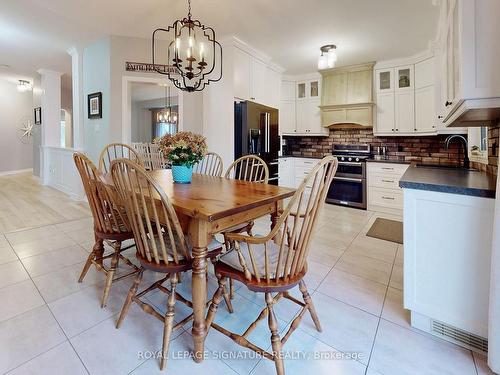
(450, 180)
(394, 161)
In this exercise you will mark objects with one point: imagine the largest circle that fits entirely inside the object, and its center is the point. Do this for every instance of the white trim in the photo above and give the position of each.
(126, 103)
(6, 173)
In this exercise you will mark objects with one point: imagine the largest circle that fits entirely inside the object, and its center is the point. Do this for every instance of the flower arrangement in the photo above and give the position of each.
(183, 148)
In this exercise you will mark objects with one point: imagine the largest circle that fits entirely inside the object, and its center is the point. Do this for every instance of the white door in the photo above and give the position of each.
(287, 90)
(242, 70)
(273, 87)
(302, 107)
(385, 113)
(404, 112)
(425, 114)
(314, 117)
(287, 117)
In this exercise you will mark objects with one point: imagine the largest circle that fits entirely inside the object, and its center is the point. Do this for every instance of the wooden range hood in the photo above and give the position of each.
(347, 96)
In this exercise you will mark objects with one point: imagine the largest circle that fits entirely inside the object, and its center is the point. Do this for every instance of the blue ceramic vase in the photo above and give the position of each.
(182, 173)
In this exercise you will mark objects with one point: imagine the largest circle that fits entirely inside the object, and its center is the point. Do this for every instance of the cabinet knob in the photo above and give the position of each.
(397, 129)
(448, 103)
(440, 117)
(393, 129)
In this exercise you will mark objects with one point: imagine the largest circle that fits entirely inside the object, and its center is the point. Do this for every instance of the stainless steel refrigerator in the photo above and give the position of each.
(256, 133)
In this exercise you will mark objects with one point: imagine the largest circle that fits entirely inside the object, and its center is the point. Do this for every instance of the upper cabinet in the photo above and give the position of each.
(299, 110)
(346, 96)
(469, 53)
(255, 80)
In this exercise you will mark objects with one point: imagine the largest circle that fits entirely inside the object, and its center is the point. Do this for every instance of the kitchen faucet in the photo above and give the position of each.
(464, 143)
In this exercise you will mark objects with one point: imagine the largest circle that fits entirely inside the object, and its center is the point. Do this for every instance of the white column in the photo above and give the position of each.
(51, 116)
(78, 108)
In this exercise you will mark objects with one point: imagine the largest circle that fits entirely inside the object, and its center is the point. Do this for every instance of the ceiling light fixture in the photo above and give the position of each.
(328, 57)
(194, 57)
(24, 86)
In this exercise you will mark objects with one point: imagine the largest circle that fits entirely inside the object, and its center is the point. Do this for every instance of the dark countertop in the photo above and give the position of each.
(450, 180)
(301, 157)
(393, 161)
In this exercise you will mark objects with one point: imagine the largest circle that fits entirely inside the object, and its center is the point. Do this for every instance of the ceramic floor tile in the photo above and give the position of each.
(53, 260)
(29, 235)
(60, 360)
(482, 364)
(354, 290)
(106, 350)
(397, 277)
(40, 246)
(66, 280)
(386, 254)
(12, 273)
(393, 308)
(345, 328)
(325, 252)
(69, 226)
(82, 310)
(19, 298)
(180, 362)
(366, 267)
(80, 236)
(401, 351)
(305, 354)
(7, 254)
(368, 243)
(26, 336)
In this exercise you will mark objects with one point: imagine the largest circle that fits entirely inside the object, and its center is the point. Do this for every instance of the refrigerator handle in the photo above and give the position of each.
(267, 140)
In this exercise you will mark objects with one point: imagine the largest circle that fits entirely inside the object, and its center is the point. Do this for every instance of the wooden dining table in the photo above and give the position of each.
(211, 205)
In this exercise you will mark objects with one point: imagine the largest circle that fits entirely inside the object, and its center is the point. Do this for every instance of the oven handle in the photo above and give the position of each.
(350, 163)
(348, 179)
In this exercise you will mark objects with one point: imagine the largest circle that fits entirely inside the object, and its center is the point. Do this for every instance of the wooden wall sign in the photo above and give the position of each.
(149, 68)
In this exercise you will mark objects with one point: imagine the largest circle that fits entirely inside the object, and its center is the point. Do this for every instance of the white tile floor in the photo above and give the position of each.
(50, 324)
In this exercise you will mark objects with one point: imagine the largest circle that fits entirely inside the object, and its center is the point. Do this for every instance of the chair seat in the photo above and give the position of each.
(231, 258)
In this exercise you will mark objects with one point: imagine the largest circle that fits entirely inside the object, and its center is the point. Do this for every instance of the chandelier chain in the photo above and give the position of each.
(189, 9)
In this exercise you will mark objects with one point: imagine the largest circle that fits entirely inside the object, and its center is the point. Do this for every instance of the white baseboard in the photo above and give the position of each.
(5, 173)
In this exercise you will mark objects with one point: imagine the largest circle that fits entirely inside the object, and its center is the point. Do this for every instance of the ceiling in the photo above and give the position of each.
(36, 33)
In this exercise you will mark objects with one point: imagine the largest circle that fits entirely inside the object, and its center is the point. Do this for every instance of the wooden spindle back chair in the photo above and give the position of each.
(210, 165)
(155, 157)
(110, 223)
(160, 241)
(248, 168)
(115, 151)
(277, 262)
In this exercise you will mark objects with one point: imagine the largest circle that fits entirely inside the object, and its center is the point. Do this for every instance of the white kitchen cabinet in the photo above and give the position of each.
(286, 172)
(470, 54)
(287, 90)
(384, 193)
(309, 117)
(287, 117)
(255, 80)
(307, 90)
(404, 104)
(242, 74)
(403, 78)
(385, 114)
(425, 118)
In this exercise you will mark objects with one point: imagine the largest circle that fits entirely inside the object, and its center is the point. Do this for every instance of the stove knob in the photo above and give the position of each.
(342, 158)
(357, 159)
(350, 159)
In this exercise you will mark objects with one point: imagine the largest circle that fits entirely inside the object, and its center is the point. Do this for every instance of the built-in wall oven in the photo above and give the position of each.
(348, 187)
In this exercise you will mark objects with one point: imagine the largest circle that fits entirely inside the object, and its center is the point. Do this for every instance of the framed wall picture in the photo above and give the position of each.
(94, 102)
(38, 115)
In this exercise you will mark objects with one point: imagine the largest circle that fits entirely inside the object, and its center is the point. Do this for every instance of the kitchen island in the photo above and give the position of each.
(448, 225)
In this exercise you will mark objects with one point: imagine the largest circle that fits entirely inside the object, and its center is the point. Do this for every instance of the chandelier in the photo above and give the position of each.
(328, 57)
(194, 57)
(167, 115)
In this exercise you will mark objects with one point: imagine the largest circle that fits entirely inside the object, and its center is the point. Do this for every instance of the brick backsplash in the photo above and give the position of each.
(430, 149)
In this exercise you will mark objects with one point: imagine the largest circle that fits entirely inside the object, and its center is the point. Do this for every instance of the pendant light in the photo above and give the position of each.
(194, 57)
(328, 57)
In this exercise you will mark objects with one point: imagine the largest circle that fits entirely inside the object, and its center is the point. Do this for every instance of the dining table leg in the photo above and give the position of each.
(198, 233)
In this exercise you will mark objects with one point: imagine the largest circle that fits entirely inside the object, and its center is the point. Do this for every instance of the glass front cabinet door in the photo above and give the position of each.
(301, 90)
(404, 78)
(385, 80)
